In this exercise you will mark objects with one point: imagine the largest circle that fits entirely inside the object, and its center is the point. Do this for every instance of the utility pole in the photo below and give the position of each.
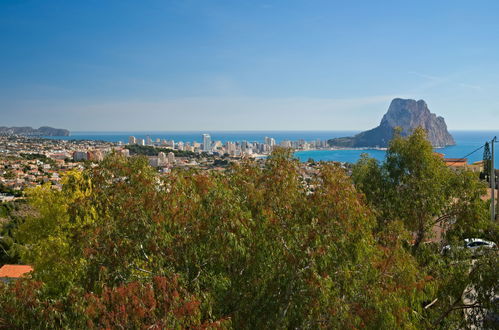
(493, 183)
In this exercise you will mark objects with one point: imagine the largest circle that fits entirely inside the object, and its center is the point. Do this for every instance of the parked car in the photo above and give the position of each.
(476, 245)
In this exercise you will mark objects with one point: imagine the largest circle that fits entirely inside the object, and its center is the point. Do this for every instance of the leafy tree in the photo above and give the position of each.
(254, 247)
(40, 157)
(162, 304)
(413, 187)
(487, 162)
(9, 175)
(136, 149)
(54, 233)
(12, 214)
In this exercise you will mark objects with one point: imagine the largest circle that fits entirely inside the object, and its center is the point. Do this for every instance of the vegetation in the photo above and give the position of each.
(414, 189)
(254, 247)
(40, 157)
(9, 191)
(136, 149)
(487, 163)
(11, 216)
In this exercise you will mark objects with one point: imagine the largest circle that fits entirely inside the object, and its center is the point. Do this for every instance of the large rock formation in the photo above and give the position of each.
(407, 115)
(29, 131)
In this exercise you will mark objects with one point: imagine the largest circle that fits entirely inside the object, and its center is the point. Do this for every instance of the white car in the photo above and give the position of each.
(475, 245)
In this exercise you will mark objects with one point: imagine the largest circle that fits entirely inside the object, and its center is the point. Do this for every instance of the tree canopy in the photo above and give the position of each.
(254, 247)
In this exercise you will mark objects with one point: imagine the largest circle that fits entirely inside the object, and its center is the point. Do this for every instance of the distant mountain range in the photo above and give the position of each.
(406, 114)
(30, 131)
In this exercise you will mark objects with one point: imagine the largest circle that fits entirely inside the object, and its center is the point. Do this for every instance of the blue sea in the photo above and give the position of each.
(466, 141)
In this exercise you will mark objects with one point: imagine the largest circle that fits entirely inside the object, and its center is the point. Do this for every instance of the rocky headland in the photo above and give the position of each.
(30, 131)
(407, 115)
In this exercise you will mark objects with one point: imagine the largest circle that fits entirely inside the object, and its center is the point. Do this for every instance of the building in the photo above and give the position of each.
(162, 159)
(269, 141)
(206, 142)
(125, 152)
(461, 164)
(95, 156)
(456, 163)
(171, 158)
(154, 161)
(80, 155)
(132, 140)
(476, 167)
(13, 272)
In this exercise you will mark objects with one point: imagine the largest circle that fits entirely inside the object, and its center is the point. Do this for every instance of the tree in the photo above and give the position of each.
(54, 232)
(257, 245)
(415, 186)
(9, 175)
(160, 304)
(487, 162)
(12, 214)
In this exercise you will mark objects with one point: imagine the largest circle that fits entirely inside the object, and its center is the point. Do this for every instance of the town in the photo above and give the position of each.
(27, 162)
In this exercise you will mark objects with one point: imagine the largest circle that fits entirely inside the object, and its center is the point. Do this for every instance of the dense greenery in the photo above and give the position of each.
(415, 187)
(136, 149)
(12, 215)
(487, 162)
(254, 247)
(9, 191)
(40, 157)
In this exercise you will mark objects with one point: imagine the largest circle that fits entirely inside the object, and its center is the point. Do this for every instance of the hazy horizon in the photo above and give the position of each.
(246, 65)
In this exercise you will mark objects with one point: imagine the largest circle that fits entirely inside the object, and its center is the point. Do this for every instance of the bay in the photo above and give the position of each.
(466, 141)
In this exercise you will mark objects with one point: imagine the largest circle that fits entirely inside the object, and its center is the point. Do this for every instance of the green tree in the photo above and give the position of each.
(256, 245)
(9, 175)
(487, 162)
(415, 186)
(55, 232)
(12, 214)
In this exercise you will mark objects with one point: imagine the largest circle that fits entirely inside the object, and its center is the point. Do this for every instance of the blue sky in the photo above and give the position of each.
(245, 65)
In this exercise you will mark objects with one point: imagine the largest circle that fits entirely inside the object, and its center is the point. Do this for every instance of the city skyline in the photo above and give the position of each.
(250, 65)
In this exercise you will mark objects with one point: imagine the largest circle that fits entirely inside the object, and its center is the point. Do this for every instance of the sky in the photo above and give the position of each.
(162, 65)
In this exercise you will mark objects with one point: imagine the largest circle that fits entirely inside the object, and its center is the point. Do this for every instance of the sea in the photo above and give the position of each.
(469, 144)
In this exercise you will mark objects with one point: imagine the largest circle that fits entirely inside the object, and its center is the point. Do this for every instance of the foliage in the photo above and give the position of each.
(54, 233)
(9, 175)
(40, 157)
(414, 187)
(12, 214)
(160, 304)
(136, 149)
(9, 191)
(487, 162)
(253, 247)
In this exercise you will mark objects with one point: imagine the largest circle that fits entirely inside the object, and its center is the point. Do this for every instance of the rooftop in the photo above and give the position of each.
(14, 271)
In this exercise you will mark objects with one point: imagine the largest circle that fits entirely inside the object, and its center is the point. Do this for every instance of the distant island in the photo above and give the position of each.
(406, 114)
(30, 131)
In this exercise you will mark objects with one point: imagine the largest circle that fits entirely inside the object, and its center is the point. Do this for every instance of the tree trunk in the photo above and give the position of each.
(420, 235)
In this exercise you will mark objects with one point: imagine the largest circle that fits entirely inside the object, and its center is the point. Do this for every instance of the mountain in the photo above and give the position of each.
(406, 114)
(29, 131)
